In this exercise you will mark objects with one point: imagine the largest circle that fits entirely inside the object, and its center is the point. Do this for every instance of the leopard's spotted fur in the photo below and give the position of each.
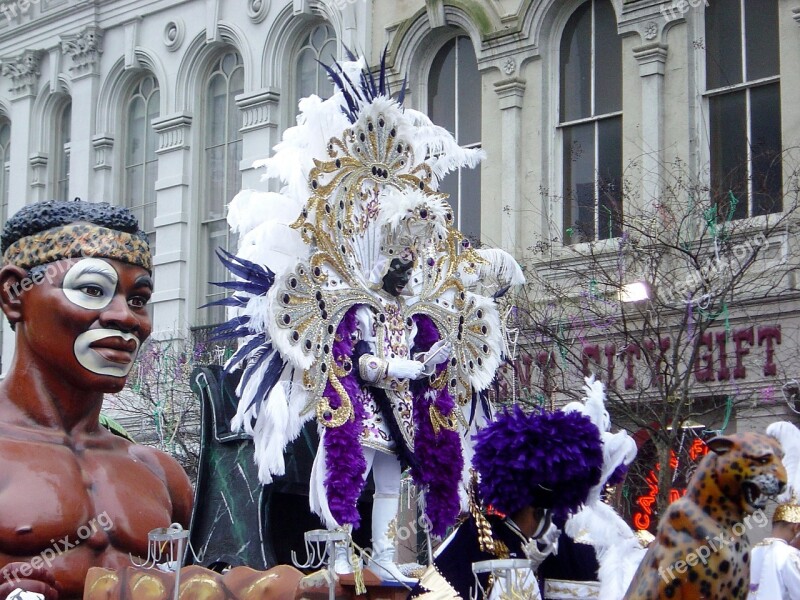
(701, 549)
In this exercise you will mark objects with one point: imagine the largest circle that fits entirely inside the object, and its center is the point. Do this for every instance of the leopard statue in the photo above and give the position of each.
(701, 548)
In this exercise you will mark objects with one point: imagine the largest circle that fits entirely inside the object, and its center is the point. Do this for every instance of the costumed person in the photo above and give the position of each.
(533, 468)
(598, 553)
(775, 562)
(362, 305)
(75, 283)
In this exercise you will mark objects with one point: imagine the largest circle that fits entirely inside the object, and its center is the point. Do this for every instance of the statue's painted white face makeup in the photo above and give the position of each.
(107, 351)
(91, 284)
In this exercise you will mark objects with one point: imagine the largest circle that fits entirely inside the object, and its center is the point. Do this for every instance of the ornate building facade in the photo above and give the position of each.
(164, 105)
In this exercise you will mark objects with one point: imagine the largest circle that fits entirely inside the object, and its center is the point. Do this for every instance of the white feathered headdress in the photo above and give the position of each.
(788, 436)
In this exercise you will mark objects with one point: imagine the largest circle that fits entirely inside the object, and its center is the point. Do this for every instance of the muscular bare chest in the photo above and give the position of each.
(100, 498)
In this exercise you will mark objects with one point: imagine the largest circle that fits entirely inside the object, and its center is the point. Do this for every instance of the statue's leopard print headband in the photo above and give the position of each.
(79, 240)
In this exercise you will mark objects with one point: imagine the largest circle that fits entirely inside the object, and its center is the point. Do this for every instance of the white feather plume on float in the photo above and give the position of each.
(319, 120)
(788, 436)
(435, 142)
(593, 405)
(251, 208)
(619, 558)
(616, 546)
(397, 207)
(274, 244)
(499, 270)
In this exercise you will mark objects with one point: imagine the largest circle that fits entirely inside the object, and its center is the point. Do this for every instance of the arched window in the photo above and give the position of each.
(63, 128)
(744, 97)
(310, 77)
(590, 119)
(454, 102)
(141, 162)
(222, 178)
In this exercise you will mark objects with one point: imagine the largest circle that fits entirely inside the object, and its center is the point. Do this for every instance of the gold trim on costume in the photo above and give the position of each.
(788, 513)
(78, 240)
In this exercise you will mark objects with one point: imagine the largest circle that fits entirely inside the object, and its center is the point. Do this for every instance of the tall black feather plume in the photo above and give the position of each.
(249, 271)
(242, 353)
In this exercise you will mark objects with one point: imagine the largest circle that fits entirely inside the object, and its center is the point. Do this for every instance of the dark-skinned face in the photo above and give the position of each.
(397, 276)
(88, 321)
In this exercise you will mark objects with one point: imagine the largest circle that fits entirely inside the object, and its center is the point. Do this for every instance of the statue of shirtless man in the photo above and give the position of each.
(75, 283)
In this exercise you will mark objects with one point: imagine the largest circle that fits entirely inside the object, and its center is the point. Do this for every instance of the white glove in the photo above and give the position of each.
(401, 368)
(540, 548)
(439, 353)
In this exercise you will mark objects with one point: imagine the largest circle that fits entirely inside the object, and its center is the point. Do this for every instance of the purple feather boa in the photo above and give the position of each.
(345, 464)
(438, 455)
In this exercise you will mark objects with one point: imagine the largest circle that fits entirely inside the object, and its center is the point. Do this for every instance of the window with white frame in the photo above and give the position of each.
(222, 177)
(319, 46)
(63, 128)
(141, 161)
(590, 120)
(454, 102)
(744, 102)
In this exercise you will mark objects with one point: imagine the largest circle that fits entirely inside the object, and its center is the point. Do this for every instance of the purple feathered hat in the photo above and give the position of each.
(544, 459)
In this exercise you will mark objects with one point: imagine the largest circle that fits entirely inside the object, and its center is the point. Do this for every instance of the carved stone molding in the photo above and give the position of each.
(510, 92)
(796, 15)
(103, 145)
(85, 48)
(174, 32)
(258, 109)
(257, 10)
(38, 164)
(173, 132)
(436, 13)
(23, 71)
(651, 59)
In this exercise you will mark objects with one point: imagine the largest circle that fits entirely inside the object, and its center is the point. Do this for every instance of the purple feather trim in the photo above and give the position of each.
(548, 460)
(345, 464)
(618, 476)
(438, 455)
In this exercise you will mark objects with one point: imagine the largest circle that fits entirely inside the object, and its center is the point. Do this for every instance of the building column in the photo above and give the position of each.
(84, 48)
(651, 59)
(259, 132)
(511, 93)
(173, 209)
(23, 71)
